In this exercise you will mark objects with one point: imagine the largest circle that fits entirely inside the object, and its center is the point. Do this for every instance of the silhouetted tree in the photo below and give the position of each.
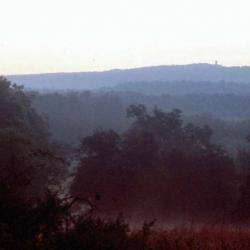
(26, 160)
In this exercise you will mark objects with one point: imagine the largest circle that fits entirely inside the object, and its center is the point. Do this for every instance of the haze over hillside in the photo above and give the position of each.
(95, 80)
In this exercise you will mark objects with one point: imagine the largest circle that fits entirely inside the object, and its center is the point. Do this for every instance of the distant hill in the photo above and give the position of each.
(95, 80)
(182, 88)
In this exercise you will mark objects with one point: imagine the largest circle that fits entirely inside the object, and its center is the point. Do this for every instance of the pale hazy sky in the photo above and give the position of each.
(85, 35)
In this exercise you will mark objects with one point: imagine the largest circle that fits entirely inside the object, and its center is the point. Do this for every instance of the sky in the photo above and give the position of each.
(38, 36)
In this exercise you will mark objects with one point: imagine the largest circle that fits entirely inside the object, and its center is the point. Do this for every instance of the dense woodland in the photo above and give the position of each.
(84, 170)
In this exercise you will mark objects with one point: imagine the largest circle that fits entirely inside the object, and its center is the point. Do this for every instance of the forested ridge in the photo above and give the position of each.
(197, 76)
(83, 170)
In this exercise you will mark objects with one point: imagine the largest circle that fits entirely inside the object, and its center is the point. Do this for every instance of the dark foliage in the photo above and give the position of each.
(159, 167)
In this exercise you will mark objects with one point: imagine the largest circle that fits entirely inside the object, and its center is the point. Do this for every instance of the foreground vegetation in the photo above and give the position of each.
(50, 225)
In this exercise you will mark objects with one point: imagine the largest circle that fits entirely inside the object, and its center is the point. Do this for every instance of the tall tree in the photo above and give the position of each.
(26, 160)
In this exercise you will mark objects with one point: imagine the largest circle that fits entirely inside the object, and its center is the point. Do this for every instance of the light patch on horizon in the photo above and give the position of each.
(56, 36)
